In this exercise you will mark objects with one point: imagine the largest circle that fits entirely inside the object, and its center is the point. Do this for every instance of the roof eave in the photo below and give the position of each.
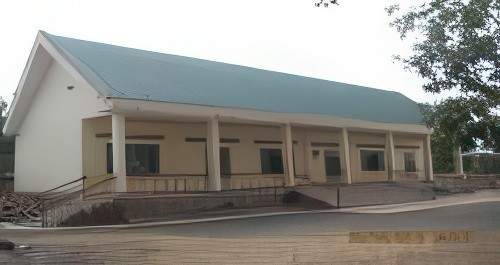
(8, 129)
(57, 54)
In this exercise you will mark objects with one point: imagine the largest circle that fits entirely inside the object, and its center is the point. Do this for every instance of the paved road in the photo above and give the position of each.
(293, 239)
(480, 216)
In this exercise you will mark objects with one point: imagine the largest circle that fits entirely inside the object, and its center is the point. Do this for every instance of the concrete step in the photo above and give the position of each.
(368, 194)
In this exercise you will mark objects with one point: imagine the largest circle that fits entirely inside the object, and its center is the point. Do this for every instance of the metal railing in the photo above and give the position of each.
(86, 187)
(177, 183)
(244, 181)
(186, 183)
(63, 192)
(101, 186)
(59, 195)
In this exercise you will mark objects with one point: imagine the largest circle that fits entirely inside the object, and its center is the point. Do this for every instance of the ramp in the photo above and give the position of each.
(368, 193)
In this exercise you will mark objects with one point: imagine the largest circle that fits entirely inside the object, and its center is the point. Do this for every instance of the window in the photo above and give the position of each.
(372, 160)
(140, 158)
(271, 161)
(410, 164)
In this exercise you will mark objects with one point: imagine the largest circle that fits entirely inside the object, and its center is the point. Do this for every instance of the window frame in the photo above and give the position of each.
(282, 162)
(137, 141)
(371, 149)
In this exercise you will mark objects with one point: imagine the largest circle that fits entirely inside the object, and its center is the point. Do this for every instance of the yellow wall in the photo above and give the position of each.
(316, 165)
(357, 138)
(412, 144)
(180, 157)
(176, 155)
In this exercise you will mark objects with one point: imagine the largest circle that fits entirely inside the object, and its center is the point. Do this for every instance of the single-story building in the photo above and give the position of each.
(159, 121)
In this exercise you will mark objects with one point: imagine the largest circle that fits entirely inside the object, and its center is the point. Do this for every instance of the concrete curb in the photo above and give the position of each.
(378, 209)
(406, 207)
(418, 206)
(162, 223)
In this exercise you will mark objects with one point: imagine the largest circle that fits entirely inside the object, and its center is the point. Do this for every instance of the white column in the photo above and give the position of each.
(213, 155)
(459, 166)
(118, 141)
(345, 153)
(288, 151)
(391, 167)
(428, 158)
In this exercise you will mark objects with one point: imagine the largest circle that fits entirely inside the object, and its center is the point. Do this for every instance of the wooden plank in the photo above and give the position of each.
(324, 144)
(133, 137)
(407, 147)
(371, 146)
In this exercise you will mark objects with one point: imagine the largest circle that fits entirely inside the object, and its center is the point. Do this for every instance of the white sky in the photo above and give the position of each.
(349, 43)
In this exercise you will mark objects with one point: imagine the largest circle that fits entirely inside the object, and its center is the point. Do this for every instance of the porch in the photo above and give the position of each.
(186, 154)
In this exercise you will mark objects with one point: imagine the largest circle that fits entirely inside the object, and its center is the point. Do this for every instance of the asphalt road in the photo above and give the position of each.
(480, 216)
(313, 238)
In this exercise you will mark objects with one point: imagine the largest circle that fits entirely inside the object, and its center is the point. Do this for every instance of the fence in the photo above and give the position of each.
(6, 183)
(6, 163)
(481, 163)
(167, 183)
(199, 183)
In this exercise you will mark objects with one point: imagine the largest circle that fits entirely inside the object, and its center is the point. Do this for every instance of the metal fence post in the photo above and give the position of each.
(83, 188)
(338, 196)
(43, 214)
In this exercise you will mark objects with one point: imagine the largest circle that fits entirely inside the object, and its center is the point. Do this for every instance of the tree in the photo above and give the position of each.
(326, 3)
(3, 118)
(452, 127)
(457, 47)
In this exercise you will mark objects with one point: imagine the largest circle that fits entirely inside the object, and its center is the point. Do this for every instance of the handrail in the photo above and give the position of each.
(168, 175)
(95, 186)
(63, 185)
(48, 196)
(104, 180)
(253, 174)
(204, 174)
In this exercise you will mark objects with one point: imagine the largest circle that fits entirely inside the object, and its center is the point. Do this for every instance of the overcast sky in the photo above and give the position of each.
(349, 43)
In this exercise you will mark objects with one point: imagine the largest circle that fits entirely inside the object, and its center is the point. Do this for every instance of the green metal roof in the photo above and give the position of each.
(120, 72)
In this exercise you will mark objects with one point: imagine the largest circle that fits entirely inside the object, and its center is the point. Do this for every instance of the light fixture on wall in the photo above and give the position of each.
(315, 154)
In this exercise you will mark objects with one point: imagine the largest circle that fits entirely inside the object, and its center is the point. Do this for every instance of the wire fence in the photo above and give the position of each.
(481, 163)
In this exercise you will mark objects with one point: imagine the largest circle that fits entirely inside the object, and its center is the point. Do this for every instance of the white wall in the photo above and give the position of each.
(49, 142)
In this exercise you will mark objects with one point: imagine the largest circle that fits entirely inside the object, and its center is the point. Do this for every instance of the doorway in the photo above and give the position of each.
(332, 166)
(225, 168)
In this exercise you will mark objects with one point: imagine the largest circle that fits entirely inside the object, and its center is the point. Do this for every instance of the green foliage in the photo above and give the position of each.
(456, 47)
(454, 124)
(325, 3)
(442, 158)
(496, 136)
(3, 106)
(3, 118)
(485, 163)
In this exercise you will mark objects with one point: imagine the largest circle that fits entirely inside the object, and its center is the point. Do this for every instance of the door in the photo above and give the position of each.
(332, 166)
(225, 168)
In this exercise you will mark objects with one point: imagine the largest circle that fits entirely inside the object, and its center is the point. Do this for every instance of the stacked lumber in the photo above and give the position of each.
(17, 207)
